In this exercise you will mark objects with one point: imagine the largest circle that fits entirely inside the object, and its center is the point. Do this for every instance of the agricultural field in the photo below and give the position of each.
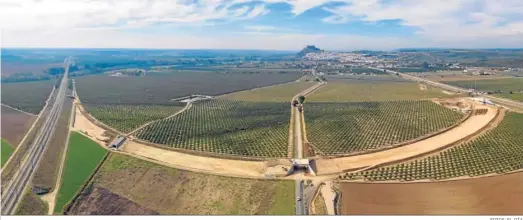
(496, 152)
(5, 152)
(257, 129)
(364, 79)
(78, 167)
(27, 96)
(162, 88)
(46, 174)
(457, 76)
(15, 124)
(479, 196)
(342, 128)
(126, 118)
(353, 70)
(12, 68)
(362, 91)
(511, 88)
(133, 186)
(276, 93)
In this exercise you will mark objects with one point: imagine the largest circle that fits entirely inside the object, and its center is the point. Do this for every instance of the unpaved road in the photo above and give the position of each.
(329, 195)
(465, 129)
(226, 167)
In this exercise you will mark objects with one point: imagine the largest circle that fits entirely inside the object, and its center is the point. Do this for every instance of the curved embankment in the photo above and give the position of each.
(211, 165)
(466, 129)
(256, 169)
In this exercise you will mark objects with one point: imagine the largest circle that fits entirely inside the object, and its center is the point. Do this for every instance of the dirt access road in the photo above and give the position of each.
(464, 130)
(211, 165)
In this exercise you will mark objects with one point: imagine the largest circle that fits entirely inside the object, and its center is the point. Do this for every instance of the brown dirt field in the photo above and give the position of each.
(170, 191)
(497, 195)
(464, 130)
(15, 125)
(100, 201)
(45, 176)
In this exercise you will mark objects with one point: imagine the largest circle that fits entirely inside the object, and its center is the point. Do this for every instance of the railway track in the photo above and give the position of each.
(15, 189)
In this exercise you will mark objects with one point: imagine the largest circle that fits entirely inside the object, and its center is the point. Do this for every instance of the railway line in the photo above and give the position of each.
(15, 188)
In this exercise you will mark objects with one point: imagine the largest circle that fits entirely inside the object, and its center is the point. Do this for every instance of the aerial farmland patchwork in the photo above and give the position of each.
(292, 137)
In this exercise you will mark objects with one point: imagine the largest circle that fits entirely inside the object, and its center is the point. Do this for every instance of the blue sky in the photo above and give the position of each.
(262, 24)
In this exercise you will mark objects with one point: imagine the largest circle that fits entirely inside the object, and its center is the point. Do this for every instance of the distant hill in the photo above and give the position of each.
(308, 49)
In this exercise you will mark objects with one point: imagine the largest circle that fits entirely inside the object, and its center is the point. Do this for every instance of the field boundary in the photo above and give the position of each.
(22, 111)
(466, 177)
(370, 151)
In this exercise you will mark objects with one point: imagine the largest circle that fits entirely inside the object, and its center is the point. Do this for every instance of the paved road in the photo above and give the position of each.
(21, 179)
(300, 205)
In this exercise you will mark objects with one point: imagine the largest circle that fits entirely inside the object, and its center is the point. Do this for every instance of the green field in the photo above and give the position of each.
(6, 151)
(341, 128)
(361, 91)
(83, 156)
(498, 151)
(277, 93)
(27, 96)
(126, 118)
(170, 191)
(499, 87)
(258, 129)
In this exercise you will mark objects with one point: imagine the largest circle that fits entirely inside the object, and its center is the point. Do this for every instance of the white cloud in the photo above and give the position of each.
(451, 20)
(448, 23)
(107, 38)
(301, 6)
(267, 28)
(49, 14)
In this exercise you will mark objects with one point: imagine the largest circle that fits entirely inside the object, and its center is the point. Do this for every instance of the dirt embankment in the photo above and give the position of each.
(496, 195)
(466, 129)
(226, 167)
(100, 201)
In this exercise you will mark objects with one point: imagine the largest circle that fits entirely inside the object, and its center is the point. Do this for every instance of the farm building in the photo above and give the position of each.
(117, 142)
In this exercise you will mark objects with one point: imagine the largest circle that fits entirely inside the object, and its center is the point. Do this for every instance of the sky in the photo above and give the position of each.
(262, 24)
